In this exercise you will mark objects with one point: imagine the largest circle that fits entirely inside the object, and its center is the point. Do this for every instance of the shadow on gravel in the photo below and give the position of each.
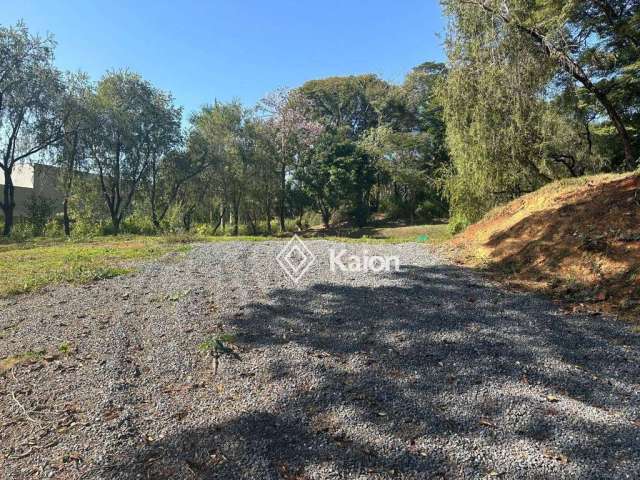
(436, 365)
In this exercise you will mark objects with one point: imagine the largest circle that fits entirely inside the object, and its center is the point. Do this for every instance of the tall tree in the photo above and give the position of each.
(222, 131)
(409, 146)
(337, 173)
(30, 89)
(70, 156)
(291, 132)
(350, 104)
(133, 123)
(170, 176)
(493, 108)
(591, 41)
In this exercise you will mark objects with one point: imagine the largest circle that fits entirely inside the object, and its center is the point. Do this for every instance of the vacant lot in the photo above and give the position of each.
(428, 372)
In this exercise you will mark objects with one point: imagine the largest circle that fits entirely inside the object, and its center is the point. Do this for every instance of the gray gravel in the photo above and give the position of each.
(430, 372)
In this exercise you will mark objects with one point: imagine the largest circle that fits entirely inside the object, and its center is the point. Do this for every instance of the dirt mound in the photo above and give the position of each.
(577, 239)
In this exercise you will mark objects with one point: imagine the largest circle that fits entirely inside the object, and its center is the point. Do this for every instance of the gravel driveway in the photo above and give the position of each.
(429, 372)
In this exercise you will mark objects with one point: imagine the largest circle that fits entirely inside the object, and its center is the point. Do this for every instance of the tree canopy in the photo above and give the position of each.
(531, 92)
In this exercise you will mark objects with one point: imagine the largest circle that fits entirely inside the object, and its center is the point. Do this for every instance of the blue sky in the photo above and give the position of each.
(223, 49)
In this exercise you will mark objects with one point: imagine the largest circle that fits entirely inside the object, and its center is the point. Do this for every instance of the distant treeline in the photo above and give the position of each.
(532, 92)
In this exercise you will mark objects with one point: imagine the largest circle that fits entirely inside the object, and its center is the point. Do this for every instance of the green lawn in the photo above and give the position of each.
(28, 266)
(427, 234)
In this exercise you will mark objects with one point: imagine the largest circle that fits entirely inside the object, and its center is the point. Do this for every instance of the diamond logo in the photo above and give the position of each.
(295, 259)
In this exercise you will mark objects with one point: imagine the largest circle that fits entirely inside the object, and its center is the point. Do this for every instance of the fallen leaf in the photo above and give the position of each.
(487, 423)
(601, 296)
(553, 455)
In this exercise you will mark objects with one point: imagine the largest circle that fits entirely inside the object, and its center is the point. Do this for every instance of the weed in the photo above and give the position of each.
(216, 347)
(177, 296)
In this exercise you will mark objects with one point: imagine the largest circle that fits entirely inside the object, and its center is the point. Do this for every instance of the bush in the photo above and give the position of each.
(430, 210)
(54, 227)
(203, 229)
(458, 222)
(39, 211)
(22, 230)
(138, 224)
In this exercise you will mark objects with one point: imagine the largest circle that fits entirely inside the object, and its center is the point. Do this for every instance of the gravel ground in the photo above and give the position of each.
(430, 372)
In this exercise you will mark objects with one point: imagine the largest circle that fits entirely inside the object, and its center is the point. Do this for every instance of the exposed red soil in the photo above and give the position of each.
(577, 240)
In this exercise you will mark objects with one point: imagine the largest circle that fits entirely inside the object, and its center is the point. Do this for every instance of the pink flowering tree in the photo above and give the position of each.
(292, 133)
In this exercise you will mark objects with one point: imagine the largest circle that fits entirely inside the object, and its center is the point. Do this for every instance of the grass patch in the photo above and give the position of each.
(428, 234)
(12, 361)
(29, 266)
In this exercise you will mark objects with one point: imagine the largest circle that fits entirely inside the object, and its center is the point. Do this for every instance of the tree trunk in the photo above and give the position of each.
(220, 220)
(115, 222)
(65, 217)
(186, 220)
(326, 217)
(236, 220)
(283, 192)
(154, 208)
(8, 204)
(618, 123)
(268, 215)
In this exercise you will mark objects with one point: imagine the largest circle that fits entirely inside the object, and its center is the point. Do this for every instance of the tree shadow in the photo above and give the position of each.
(434, 375)
(586, 250)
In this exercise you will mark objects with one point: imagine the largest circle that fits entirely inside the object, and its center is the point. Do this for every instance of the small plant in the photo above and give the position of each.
(177, 296)
(64, 348)
(216, 347)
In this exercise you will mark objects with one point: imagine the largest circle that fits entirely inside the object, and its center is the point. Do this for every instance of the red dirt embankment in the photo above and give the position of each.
(575, 239)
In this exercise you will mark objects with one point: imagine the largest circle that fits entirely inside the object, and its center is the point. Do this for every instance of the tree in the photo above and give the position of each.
(586, 39)
(222, 132)
(409, 146)
(133, 124)
(350, 104)
(498, 100)
(169, 177)
(30, 89)
(291, 131)
(76, 128)
(165, 158)
(337, 174)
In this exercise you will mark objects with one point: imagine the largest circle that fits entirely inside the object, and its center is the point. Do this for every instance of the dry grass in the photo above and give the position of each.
(577, 239)
(10, 362)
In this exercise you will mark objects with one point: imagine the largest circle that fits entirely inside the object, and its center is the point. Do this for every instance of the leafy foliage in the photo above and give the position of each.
(216, 347)
(527, 92)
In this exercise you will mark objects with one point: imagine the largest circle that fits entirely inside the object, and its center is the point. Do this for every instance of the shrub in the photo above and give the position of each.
(39, 211)
(138, 224)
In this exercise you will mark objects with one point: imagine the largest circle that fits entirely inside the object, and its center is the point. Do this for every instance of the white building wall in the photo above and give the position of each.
(30, 180)
(22, 176)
